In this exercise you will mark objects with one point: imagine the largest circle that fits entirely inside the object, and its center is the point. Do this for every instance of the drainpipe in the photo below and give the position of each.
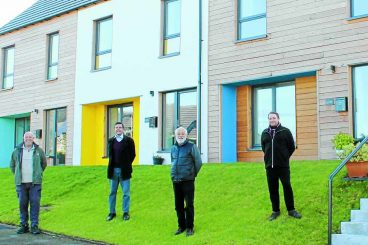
(199, 86)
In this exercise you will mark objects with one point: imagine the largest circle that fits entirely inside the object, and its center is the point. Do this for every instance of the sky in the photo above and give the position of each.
(11, 8)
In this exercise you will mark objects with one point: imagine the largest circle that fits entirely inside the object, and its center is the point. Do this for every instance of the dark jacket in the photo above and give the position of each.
(277, 150)
(39, 164)
(127, 156)
(186, 162)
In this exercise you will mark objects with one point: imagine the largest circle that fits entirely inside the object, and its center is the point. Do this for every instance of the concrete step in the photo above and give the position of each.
(364, 204)
(359, 216)
(354, 228)
(343, 239)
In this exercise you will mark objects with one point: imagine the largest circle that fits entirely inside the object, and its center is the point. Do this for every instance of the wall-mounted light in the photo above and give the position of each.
(333, 68)
(152, 93)
(35, 111)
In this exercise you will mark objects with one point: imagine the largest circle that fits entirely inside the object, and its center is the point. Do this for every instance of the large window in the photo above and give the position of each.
(360, 83)
(179, 109)
(56, 141)
(22, 125)
(280, 98)
(103, 40)
(8, 68)
(171, 39)
(53, 56)
(251, 19)
(359, 8)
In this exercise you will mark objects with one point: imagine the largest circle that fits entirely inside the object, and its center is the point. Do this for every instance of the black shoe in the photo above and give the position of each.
(126, 216)
(274, 216)
(179, 231)
(110, 216)
(35, 230)
(23, 229)
(295, 214)
(190, 232)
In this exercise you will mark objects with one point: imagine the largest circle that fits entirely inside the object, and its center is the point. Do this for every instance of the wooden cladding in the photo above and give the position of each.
(306, 122)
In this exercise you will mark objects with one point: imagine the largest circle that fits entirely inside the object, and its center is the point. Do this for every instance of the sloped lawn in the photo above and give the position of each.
(231, 205)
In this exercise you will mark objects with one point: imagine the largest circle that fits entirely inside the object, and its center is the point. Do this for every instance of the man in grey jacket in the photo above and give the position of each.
(27, 163)
(186, 163)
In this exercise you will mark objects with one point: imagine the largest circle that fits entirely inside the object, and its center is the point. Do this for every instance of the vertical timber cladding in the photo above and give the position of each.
(306, 113)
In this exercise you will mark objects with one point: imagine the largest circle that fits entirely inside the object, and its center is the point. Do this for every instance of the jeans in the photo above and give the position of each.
(125, 185)
(29, 194)
(184, 191)
(273, 176)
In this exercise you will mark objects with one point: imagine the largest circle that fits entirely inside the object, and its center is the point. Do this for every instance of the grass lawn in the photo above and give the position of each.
(231, 205)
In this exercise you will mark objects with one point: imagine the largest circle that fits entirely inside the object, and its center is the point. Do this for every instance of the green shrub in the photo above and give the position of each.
(342, 139)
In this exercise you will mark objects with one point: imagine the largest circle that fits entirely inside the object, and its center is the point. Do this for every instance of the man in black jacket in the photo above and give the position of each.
(186, 163)
(278, 146)
(121, 151)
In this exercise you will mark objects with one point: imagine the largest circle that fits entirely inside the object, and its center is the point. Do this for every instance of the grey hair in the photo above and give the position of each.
(179, 129)
(28, 132)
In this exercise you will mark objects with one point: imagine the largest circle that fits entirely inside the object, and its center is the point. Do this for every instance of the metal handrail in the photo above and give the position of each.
(332, 175)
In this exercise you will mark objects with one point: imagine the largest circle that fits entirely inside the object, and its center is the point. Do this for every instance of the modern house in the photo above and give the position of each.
(37, 71)
(140, 66)
(307, 60)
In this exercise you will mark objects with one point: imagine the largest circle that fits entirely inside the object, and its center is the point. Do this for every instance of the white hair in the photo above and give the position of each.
(28, 133)
(181, 129)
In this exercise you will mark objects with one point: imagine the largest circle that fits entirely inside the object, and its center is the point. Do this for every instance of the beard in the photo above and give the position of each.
(181, 141)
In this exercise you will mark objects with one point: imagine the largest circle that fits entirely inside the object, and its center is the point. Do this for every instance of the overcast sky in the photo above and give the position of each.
(11, 8)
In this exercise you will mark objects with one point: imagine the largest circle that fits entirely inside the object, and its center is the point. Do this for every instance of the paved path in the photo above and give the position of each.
(8, 235)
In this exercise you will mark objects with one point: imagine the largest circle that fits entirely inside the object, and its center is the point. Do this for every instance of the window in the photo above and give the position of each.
(8, 68)
(280, 98)
(120, 113)
(251, 19)
(171, 39)
(103, 48)
(22, 125)
(56, 141)
(53, 56)
(360, 86)
(359, 8)
(179, 109)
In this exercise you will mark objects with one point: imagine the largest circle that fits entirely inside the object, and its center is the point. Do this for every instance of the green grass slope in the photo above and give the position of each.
(231, 205)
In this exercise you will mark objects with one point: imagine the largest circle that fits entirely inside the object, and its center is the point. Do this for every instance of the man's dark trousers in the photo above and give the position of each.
(29, 194)
(184, 190)
(273, 177)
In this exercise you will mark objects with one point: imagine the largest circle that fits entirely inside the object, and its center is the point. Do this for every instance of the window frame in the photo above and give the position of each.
(50, 47)
(354, 97)
(352, 16)
(176, 112)
(54, 158)
(241, 20)
(97, 53)
(5, 74)
(273, 86)
(164, 34)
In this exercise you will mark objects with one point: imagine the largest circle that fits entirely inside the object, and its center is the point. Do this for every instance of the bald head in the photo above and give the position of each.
(28, 139)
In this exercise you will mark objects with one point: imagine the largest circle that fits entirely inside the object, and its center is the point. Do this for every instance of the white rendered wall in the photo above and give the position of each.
(137, 67)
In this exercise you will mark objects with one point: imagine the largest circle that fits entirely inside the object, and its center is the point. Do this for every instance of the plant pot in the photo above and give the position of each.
(157, 161)
(357, 169)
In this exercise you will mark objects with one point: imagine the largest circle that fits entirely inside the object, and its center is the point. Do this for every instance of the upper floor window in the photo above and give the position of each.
(360, 104)
(8, 67)
(103, 48)
(171, 38)
(53, 56)
(359, 8)
(279, 97)
(251, 19)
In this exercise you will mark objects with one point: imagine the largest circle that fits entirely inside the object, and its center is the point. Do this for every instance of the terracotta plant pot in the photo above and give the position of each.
(357, 169)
